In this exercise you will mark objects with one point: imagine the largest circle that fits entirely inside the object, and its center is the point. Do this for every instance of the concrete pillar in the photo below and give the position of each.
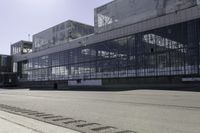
(161, 4)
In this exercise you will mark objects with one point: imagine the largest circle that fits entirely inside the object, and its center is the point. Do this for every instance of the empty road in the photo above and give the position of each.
(142, 111)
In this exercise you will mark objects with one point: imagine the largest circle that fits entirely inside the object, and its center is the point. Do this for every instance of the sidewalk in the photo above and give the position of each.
(10, 123)
(10, 127)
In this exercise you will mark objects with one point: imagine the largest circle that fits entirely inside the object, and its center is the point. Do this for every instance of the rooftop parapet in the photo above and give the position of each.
(119, 13)
(60, 34)
(21, 47)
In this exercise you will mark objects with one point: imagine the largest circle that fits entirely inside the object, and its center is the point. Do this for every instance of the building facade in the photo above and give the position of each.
(135, 45)
(7, 78)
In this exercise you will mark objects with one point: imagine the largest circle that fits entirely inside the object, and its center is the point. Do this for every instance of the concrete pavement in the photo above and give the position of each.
(10, 127)
(11, 123)
(143, 111)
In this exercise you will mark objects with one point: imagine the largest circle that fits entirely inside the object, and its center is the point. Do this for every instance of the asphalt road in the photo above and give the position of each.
(143, 111)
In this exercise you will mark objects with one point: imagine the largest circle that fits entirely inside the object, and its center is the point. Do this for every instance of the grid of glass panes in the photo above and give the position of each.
(167, 51)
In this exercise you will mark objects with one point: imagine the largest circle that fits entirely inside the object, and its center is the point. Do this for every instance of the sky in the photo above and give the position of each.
(19, 18)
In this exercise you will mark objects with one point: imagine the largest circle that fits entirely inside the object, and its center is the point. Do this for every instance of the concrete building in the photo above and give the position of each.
(133, 42)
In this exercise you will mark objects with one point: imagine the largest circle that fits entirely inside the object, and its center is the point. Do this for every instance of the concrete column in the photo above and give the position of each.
(161, 4)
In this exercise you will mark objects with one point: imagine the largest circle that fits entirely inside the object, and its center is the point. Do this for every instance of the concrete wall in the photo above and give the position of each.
(118, 84)
(85, 82)
(59, 34)
(45, 85)
(123, 12)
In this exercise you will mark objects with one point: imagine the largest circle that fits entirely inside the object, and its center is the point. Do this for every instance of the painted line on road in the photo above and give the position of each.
(66, 122)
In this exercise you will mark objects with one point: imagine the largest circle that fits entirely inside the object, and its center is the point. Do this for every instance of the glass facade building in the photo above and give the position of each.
(158, 43)
(166, 51)
(7, 78)
(60, 34)
(5, 63)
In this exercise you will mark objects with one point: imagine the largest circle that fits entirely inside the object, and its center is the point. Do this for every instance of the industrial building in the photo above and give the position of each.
(133, 42)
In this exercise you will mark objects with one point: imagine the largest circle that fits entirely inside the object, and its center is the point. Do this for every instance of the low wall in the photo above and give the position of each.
(118, 83)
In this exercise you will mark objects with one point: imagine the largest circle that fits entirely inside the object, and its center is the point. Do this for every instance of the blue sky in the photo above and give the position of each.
(22, 17)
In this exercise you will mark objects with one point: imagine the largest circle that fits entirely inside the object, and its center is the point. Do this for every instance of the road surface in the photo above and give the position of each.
(142, 111)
